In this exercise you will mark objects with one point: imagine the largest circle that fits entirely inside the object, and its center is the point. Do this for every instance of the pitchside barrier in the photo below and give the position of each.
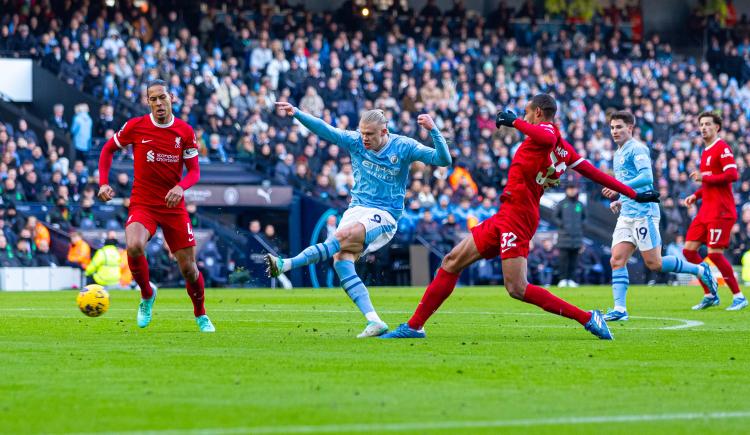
(39, 278)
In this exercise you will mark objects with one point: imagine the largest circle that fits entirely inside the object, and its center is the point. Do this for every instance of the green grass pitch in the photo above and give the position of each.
(289, 362)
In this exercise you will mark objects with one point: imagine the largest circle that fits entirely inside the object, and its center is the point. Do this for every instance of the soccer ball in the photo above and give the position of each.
(93, 300)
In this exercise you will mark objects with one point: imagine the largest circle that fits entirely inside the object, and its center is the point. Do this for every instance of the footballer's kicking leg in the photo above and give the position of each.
(313, 254)
(459, 258)
(195, 286)
(514, 276)
(352, 239)
(671, 264)
(136, 237)
(621, 253)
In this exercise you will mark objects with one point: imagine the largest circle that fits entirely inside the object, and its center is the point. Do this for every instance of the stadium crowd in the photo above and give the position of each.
(227, 69)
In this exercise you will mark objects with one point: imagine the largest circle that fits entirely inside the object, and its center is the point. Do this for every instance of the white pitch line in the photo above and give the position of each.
(685, 323)
(443, 425)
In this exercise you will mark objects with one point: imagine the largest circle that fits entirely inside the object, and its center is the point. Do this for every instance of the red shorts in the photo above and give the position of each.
(507, 234)
(174, 222)
(715, 233)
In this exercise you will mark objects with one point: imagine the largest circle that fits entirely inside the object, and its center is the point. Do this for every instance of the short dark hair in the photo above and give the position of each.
(624, 116)
(546, 103)
(156, 82)
(713, 115)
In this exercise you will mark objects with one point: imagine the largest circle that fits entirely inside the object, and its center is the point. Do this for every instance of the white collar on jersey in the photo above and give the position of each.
(167, 125)
(714, 142)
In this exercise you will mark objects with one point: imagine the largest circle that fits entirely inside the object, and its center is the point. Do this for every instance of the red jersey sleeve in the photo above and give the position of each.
(190, 145)
(727, 168)
(125, 137)
(572, 158)
(542, 134)
(727, 158)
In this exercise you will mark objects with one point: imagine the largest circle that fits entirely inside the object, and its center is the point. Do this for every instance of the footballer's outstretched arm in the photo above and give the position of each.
(322, 129)
(589, 171)
(439, 156)
(541, 134)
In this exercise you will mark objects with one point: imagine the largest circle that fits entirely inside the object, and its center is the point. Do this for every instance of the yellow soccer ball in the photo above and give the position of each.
(93, 300)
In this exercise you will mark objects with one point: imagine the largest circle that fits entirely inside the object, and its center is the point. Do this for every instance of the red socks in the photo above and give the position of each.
(695, 258)
(438, 291)
(726, 270)
(197, 295)
(552, 304)
(139, 268)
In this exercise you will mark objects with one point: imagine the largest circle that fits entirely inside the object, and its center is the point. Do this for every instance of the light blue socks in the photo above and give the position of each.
(355, 288)
(620, 281)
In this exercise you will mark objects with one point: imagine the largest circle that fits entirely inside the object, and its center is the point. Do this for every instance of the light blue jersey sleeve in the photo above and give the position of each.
(642, 163)
(440, 156)
(345, 139)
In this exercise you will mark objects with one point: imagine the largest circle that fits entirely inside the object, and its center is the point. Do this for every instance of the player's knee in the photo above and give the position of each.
(189, 271)
(136, 248)
(653, 264)
(617, 262)
(450, 262)
(515, 289)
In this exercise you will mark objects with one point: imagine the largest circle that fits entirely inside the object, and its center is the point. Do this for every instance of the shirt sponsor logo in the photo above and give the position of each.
(378, 171)
(151, 156)
(562, 152)
(726, 153)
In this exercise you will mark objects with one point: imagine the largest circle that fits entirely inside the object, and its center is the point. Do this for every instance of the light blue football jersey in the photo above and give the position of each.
(630, 159)
(380, 178)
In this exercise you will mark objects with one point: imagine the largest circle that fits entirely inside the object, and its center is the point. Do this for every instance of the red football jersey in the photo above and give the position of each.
(718, 199)
(159, 151)
(532, 167)
(564, 157)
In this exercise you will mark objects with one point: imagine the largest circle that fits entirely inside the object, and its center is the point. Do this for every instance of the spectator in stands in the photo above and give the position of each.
(312, 103)
(254, 227)
(23, 132)
(269, 233)
(84, 217)
(32, 188)
(122, 186)
(11, 193)
(79, 253)
(39, 232)
(209, 262)
(282, 173)
(13, 221)
(43, 257)
(122, 212)
(429, 230)
(104, 268)
(24, 254)
(570, 215)
(24, 42)
(8, 256)
(58, 119)
(71, 70)
(82, 129)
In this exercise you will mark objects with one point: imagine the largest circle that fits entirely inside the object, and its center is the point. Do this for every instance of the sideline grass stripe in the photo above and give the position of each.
(442, 425)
